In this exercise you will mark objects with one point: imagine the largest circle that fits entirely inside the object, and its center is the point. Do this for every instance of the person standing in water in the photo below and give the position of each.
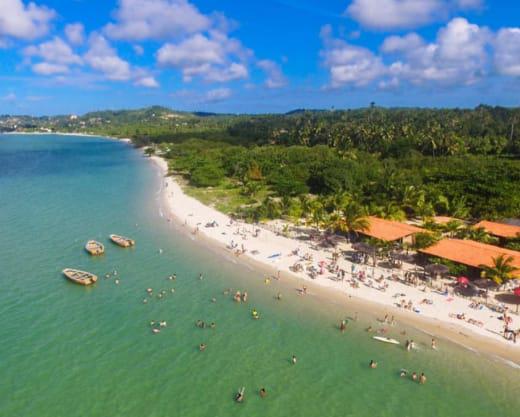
(262, 392)
(372, 364)
(422, 379)
(293, 360)
(343, 325)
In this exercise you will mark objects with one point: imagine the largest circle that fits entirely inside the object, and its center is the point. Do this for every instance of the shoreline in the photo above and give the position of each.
(192, 215)
(88, 135)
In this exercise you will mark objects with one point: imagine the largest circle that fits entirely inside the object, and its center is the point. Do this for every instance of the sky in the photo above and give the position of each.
(75, 56)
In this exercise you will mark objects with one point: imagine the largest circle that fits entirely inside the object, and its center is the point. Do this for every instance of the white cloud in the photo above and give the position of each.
(11, 97)
(75, 33)
(275, 77)
(47, 68)
(24, 22)
(156, 19)
(458, 56)
(102, 57)
(507, 52)
(349, 64)
(210, 57)
(218, 94)
(138, 49)
(147, 81)
(405, 14)
(405, 43)
(55, 51)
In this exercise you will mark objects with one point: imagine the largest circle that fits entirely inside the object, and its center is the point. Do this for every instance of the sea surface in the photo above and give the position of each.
(68, 351)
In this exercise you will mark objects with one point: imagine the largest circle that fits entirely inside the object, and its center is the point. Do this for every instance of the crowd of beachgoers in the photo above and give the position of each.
(331, 262)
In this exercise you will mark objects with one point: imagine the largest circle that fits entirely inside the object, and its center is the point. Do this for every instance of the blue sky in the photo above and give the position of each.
(74, 56)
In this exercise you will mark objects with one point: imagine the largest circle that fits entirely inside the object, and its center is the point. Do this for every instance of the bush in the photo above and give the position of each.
(207, 175)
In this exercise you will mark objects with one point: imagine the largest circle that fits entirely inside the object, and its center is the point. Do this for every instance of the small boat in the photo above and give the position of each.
(80, 277)
(122, 241)
(95, 248)
(386, 340)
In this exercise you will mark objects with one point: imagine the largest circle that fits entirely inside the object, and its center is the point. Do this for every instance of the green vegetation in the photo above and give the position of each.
(502, 269)
(392, 163)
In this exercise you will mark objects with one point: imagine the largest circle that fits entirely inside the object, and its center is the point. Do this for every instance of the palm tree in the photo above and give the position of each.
(451, 227)
(317, 213)
(502, 269)
(351, 218)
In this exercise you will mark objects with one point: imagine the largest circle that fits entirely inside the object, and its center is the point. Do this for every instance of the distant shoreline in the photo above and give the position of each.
(91, 135)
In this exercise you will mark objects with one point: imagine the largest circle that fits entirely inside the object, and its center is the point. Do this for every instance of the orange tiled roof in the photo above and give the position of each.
(471, 253)
(499, 229)
(389, 230)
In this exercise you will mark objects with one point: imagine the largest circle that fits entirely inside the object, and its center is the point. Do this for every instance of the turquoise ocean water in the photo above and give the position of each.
(69, 351)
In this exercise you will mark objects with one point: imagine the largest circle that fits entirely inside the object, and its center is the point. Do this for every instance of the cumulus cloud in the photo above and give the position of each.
(404, 14)
(218, 94)
(213, 57)
(55, 51)
(507, 52)
(275, 77)
(349, 64)
(48, 68)
(102, 57)
(138, 49)
(156, 19)
(146, 81)
(75, 33)
(21, 21)
(458, 56)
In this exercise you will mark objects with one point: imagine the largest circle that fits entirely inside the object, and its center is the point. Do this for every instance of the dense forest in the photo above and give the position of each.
(392, 163)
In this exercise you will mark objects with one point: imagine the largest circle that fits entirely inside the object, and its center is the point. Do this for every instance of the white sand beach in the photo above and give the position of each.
(436, 310)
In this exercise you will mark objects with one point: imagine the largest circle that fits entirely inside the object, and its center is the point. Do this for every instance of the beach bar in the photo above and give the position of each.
(390, 230)
(471, 253)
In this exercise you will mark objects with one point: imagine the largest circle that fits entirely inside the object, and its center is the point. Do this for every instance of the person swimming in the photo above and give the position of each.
(403, 373)
(239, 397)
(244, 296)
(422, 379)
(255, 314)
(434, 344)
(200, 324)
(343, 325)
(372, 364)
(213, 325)
(202, 347)
(279, 296)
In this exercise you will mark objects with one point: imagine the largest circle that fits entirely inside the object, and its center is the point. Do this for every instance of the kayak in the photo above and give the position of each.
(386, 340)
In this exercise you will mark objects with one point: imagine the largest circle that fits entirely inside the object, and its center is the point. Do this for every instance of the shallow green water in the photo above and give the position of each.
(72, 351)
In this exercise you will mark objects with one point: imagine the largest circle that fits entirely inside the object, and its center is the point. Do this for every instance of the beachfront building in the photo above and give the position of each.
(501, 230)
(471, 253)
(390, 230)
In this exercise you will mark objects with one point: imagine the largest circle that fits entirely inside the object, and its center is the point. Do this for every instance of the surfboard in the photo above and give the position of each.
(385, 340)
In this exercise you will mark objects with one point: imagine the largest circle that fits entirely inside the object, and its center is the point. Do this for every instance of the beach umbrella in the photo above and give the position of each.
(485, 283)
(363, 247)
(436, 269)
(463, 280)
